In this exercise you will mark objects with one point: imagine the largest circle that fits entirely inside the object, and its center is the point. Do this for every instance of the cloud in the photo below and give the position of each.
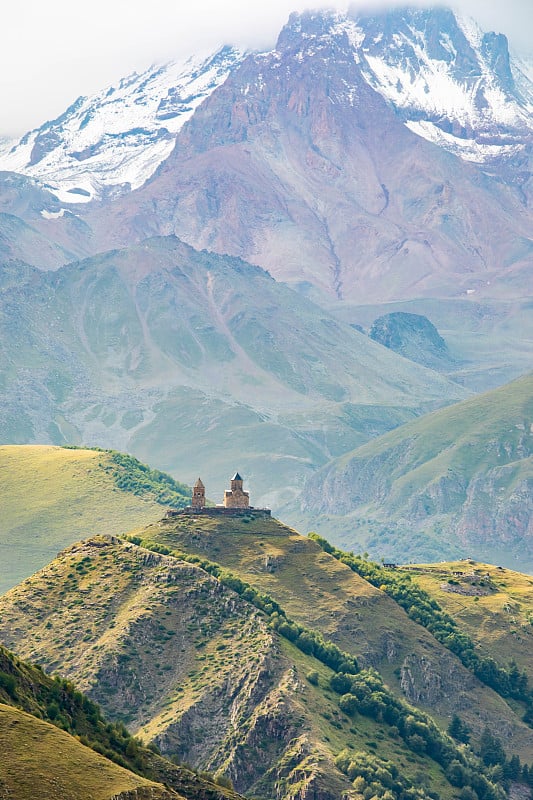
(52, 52)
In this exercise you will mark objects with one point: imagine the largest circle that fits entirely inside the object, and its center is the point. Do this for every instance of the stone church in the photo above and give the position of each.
(234, 497)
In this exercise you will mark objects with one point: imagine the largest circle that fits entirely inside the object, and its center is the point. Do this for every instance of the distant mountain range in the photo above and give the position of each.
(196, 361)
(189, 260)
(458, 481)
(447, 81)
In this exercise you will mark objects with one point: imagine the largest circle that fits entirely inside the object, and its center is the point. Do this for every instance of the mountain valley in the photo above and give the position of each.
(311, 262)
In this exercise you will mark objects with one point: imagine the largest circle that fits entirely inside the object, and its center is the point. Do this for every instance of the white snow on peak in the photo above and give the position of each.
(470, 28)
(118, 137)
(434, 90)
(354, 33)
(467, 149)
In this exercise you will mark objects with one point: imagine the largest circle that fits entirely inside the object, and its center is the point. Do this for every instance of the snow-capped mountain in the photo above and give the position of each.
(298, 164)
(450, 82)
(116, 139)
(447, 81)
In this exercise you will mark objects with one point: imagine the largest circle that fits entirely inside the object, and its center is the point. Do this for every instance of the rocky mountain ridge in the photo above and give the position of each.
(187, 658)
(297, 164)
(113, 141)
(447, 80)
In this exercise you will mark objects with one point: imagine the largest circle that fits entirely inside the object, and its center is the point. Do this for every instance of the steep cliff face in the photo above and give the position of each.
(412, 336)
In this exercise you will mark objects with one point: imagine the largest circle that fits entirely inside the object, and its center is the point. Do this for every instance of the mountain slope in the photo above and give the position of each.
(492, 604)
(319, 592)
(455, 481)
(51, 496)
(114, 140)
(37, 757)
(120, 349)
(192, 666)
(79, 753)
(197, 667)
(450, 82)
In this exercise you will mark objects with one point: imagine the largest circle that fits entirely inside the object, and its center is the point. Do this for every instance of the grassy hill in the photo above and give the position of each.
(195, 668)
(492, 604)
(456, 482)
(320, 592)
(52, 496)
(37, 757)
(56, 744)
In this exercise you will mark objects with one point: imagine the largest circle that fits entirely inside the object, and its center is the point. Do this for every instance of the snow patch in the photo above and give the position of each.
(52, 214)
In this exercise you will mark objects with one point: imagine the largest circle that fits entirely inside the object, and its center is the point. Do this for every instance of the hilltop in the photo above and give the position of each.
(53, 496)
(492, 604)
(455, 482)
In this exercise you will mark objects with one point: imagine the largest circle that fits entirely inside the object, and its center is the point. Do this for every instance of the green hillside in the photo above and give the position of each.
(40, 760)
(159, 352)
(197, 670)
(456, 482)
(52, 496)
(492, 604)
(56, 744)
(319, 592)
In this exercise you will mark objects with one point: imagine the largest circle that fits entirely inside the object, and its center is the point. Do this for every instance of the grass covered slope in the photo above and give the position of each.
(40, 760)
(318, 591)
(52, 496)
(84, 741)
(195, 668)
(492, 604)
(456, 482)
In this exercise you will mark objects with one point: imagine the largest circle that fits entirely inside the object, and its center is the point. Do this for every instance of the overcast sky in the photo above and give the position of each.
(54, 50)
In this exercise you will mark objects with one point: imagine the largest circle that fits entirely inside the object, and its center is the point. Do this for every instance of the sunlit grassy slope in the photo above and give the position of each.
(320, 592)
(39, 760)
(195, 668)
(51, 497)
(492, 604)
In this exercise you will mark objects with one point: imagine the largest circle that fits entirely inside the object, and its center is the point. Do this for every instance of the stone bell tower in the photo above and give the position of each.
(235, 497)
(198, 495)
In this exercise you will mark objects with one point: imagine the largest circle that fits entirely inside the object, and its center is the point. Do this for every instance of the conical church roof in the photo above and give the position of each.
(199, 484)
(236, 477)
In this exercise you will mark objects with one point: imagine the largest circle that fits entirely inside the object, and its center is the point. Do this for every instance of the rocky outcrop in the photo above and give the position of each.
(412, 336)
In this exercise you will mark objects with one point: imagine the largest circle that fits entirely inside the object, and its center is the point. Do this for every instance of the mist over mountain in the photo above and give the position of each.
(364, 159)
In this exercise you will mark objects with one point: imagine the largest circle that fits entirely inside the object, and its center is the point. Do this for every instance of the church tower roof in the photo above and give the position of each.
(199, 484)
(236, 477)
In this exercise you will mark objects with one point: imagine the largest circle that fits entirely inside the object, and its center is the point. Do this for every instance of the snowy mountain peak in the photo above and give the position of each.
(449, 81)
(446, 79)
(116, 139)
